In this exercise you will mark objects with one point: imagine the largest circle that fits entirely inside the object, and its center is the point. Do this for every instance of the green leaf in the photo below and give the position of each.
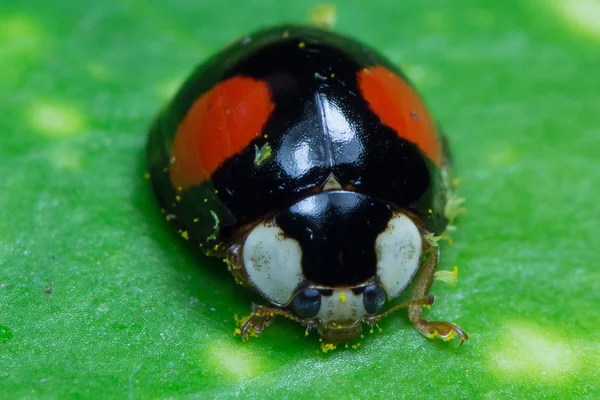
(99, 298)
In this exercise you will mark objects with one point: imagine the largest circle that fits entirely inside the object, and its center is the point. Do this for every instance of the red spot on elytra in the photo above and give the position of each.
(399, 106)
(220, 124)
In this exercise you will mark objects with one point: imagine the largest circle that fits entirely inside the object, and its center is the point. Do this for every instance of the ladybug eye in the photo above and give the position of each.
(373, 298)
(307, 303)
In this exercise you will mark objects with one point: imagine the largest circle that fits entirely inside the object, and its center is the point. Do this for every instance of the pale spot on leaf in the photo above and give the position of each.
(323, 15)
(528, 352)
(436, 20)
(56, 120)
(236, 361)
(580, 14)
(98, 71)
(19, 34)
(503, 156)
(416, 74)
(167, 89)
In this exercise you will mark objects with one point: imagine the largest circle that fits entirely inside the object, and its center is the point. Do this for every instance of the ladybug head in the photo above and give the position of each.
(332, 260)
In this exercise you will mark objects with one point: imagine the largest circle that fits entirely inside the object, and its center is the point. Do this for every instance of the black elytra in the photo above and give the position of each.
(320, 126)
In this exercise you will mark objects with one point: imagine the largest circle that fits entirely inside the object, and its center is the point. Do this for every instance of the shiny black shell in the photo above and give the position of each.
(321, 125)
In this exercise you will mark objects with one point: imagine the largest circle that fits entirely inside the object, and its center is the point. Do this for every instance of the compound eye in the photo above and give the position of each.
(373, 298)
(307, 303)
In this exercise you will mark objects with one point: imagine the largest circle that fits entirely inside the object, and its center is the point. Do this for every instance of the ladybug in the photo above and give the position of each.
(310, 164)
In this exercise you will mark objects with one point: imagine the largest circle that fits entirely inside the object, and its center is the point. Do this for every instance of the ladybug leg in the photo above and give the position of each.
(454, 206)
(431, 329)
(454, 203)
(372, 320)
(454, 209)
(234, 265)
(261, 317)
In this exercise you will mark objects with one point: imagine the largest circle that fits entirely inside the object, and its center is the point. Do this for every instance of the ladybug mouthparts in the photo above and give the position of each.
(334, 333)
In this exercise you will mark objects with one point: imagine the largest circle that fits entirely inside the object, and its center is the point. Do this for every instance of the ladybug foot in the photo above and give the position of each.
(252, 325)
(443, 330)
(261, 317)
(449, 277)
(454, 208)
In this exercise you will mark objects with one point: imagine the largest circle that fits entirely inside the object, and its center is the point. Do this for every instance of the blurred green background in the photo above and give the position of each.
(98, 297)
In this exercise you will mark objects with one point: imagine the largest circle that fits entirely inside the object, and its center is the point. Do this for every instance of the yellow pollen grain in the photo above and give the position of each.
(147, 175)
(343, 297)
(323, 15)
(185, 235)
(301, 45)
(325, 347)
(196, 219)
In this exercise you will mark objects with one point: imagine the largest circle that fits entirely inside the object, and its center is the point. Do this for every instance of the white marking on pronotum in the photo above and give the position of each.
(273, 262)
(398, 250)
